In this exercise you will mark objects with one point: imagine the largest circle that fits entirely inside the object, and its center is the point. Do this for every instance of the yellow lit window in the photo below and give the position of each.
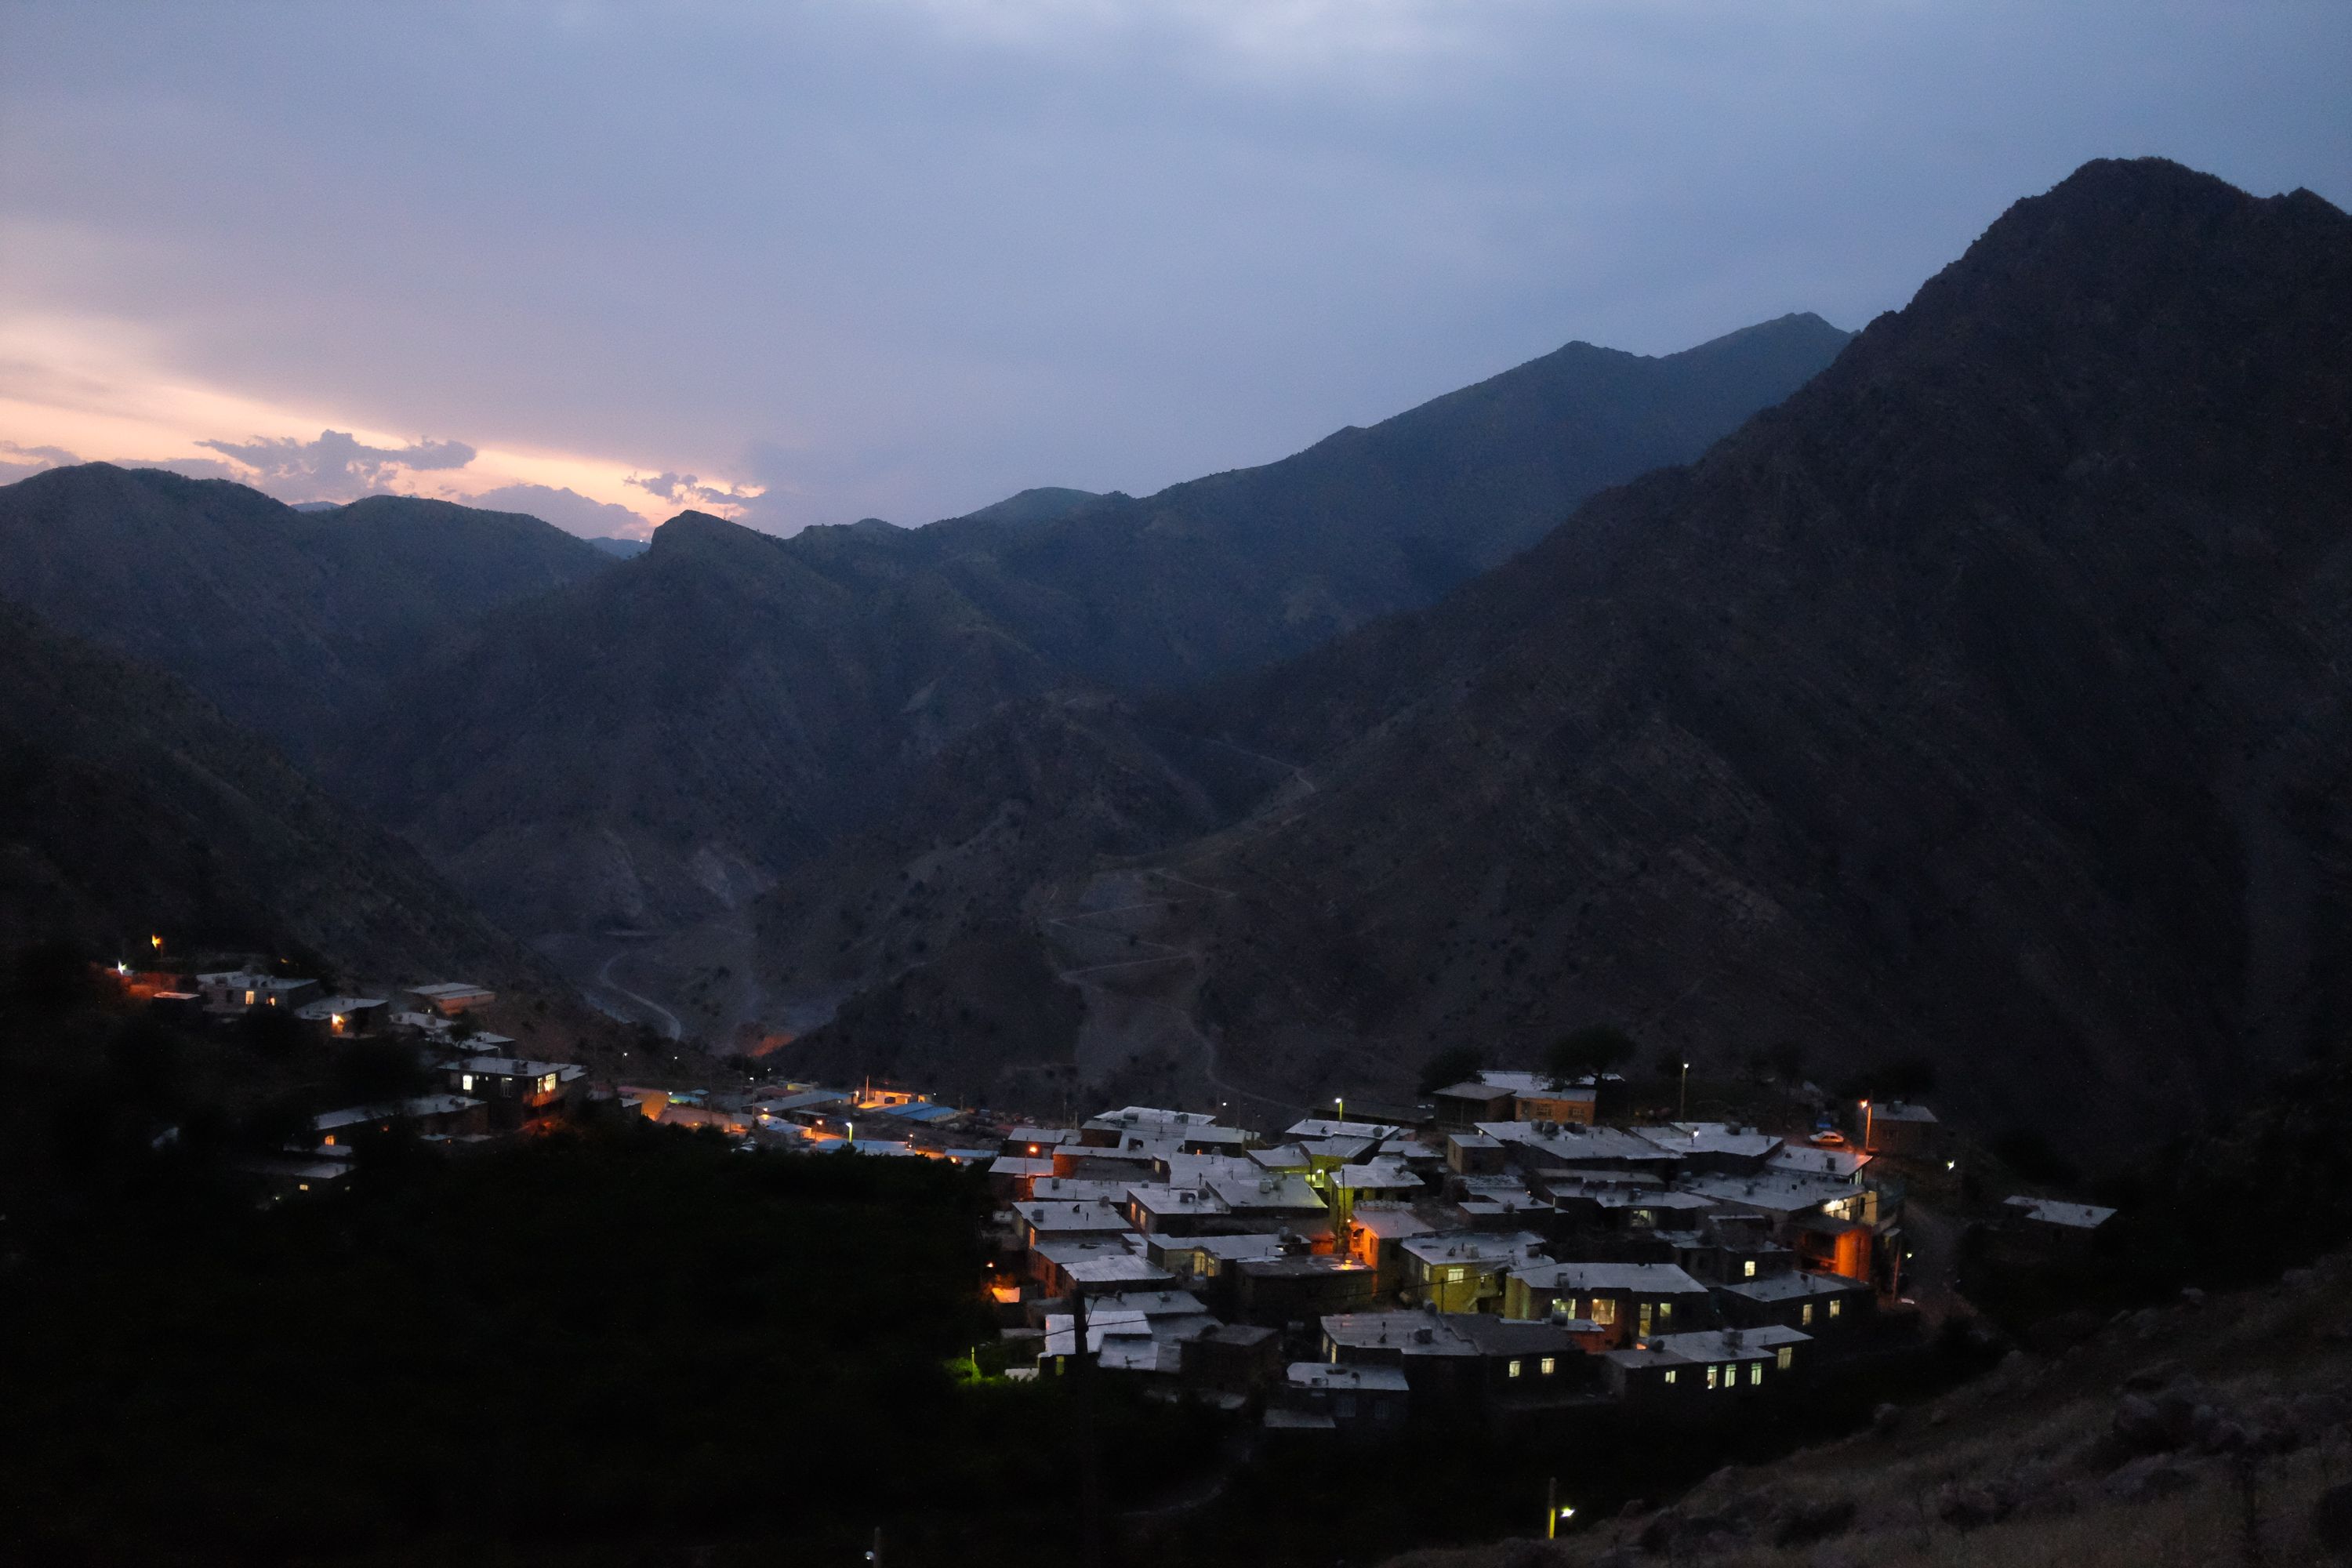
(1712, 1372)
(1670, 1375)
(1513, 1369)
(465, 1082)
(1731, 1377)
(1788, 1352)
(1454, 1275)
(1549, 1366)
(1806, 1316)
(1834, 1305)
(1751, 1269)
(1755, 1373)
(1605, 1311)
(1665, 1313)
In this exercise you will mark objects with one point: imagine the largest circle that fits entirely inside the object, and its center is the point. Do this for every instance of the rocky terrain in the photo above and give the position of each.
(291, 623)
(2214, 1431)
(1979, 704)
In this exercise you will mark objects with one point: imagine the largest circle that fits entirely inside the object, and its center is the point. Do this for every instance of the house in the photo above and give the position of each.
(1901, 1128)
(518, 1089)
(1711, 1146)
(1475, 1153)
(428, 1115)
(1284, 1289)
(1703, 1376)
(1536, 1145)
(1463, 1363)
(1158, 1210)
(1316, 1128)
(1095, 1265)
(1234, 1360)
(1623, 1302)
(1361, 1401)
(1539, 1097)
(1012, 1176)
(1461, 1107)
(1816, 1303)
(238, 990)
(343, 1017)
(1055, 1220)
(451, 998)
(2046, 1226)
(1376, 1236)
(1270, 1200)
(1463, 1272)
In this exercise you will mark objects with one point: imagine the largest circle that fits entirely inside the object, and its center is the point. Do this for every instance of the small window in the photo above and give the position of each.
(1665, 1313)
(1605, 1311)
(1805, 1317)
(1750, 1268)
(1670, 1375)
(1549, 1366)
(1834, 1305)
(1512, 1371)
(1454, 1275)
(1714, 1373)
(1787, 1354)
(1731, 1377)
(465, 1082)
(1755, 1372)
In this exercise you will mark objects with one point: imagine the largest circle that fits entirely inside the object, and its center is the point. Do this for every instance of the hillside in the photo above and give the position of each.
(1974, 705)
(2204, 1433)
(285, 619)
(129, 807)
(654, 747)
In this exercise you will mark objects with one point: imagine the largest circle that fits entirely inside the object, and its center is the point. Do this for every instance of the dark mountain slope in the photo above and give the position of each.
(1043, 503)
(654, 745)
(649, 746)
(128, 805)
(1984, 701)
(287, 620)
(1239, 569)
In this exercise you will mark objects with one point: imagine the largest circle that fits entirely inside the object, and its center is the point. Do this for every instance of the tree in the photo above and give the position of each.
(1595, 1048)
(1451, 1066)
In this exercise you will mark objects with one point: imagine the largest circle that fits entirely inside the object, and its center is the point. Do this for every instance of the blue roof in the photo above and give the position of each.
(921, 1112)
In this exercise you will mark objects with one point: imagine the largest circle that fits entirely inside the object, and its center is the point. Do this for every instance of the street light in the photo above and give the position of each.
(1865, 1127)
(1553, 1511)
(1683, 1113)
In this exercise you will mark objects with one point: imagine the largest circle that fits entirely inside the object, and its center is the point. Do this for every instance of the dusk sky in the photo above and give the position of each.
(808, 263)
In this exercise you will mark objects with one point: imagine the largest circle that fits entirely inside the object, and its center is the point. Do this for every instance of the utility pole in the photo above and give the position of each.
(1089, 1466)
(1683, 1114)
(1551, 1507)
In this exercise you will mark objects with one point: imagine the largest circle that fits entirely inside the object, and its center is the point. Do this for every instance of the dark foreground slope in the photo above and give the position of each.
(284, 620)
(1985, 702)
(129, 808)
(656, 745)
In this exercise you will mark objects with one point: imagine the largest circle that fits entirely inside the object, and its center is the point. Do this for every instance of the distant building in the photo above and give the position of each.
(451, 998)
(343, 1017)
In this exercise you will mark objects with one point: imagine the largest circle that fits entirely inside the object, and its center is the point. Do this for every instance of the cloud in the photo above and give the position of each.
(689, 490)
(34, 458)
(567, 509)
(338, 465)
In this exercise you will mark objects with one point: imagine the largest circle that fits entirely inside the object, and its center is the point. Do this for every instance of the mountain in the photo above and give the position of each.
(1045, 504)
(129, 806)
(289, 621)
(654, 746)
(627, 549)
(1982, 703)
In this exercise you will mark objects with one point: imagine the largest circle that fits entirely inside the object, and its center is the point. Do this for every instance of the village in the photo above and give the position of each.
(1518, 1250)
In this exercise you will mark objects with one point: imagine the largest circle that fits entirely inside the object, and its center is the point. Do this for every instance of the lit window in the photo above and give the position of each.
(1712, 1372)
(1670, 1375)
(1454, 1275)
(465, 1082)
(1787, 1354)
(1730, 1377)
(1549, 1366)
(1806, 1316)
(1751, 1269)
(248, 998)
(1665, 1313)
(1605, 1311)
(1834, 1305)
(331, 1139)
(1755, 1373)
(1512, 1371)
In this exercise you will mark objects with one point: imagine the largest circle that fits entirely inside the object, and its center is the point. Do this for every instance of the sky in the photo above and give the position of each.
(807, 263)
